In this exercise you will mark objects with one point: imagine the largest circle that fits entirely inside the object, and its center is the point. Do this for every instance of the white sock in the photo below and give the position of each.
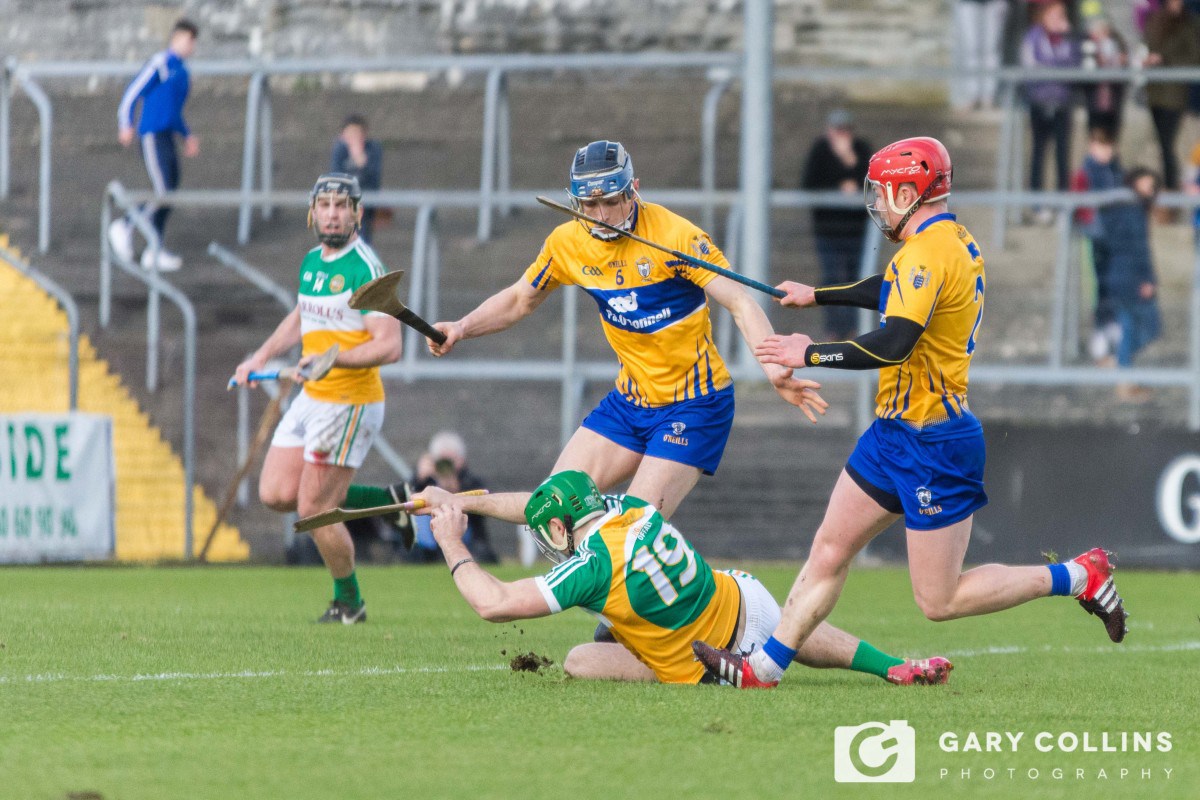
(1078, 575)
(765, 667)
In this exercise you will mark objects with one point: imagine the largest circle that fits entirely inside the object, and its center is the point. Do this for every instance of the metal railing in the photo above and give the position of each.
(495, 173)
(720, 69)
(115, 195)
(69, 307)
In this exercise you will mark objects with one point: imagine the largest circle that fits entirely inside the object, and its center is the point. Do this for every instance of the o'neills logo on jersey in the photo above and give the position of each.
(925, 497)
(320, 310)
(679, 440)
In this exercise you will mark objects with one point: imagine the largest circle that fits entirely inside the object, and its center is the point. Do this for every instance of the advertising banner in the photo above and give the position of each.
(1064, 490)
(56, 487)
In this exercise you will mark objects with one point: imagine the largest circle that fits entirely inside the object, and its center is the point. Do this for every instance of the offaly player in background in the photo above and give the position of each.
(328, 429)
(923, 456)
(162, 86)
(619, 559)
(669, 417)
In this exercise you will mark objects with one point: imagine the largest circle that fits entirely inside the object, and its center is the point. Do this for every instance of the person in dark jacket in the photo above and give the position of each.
(838, 160)
(355, 154)
(445, 466)
(1173, 38)
(1127, 311)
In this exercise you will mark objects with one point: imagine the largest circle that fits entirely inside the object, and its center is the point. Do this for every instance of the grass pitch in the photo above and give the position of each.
(124, 684)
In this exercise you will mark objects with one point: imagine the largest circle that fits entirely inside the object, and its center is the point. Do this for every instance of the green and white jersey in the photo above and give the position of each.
(638, 571)
(326, 319)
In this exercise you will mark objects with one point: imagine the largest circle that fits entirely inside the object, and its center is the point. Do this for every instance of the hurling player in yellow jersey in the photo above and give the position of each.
(668, 419)
(328, 429)
(923, 456)
(621, 561)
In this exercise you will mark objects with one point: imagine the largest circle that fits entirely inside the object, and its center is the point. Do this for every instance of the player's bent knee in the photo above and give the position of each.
(936, 609)
(276, 501)
(575, 665)
(828, 558)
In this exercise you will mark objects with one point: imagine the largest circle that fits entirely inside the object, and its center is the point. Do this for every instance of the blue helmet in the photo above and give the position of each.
(601, 169)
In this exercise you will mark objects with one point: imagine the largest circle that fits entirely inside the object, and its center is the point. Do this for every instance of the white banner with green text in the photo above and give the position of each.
(57, 483)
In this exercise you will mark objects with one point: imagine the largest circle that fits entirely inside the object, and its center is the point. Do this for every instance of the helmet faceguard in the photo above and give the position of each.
(921, 161)
(336, 184)
(570, 497)
(601, 170)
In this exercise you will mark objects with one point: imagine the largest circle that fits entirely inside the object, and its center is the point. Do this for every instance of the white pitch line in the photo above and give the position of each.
(1008, 650)
(997, 650)
(209, 676)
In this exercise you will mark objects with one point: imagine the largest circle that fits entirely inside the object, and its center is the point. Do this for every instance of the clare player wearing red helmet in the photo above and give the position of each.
(923, 456)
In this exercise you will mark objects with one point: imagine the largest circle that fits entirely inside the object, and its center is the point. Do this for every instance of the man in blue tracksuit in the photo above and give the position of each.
(162, 87)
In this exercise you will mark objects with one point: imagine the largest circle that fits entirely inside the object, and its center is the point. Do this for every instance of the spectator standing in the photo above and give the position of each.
(838, 160)
(979, 37)
(1173, 40)
(1132, 284)
(1100, 172)
(355, 154)
(162, 87)
(1049, 43)
(1103, 49)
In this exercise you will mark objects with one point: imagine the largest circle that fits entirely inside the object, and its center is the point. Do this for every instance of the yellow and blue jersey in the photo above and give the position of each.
(936, 280)
(652, 305)
(638, 572)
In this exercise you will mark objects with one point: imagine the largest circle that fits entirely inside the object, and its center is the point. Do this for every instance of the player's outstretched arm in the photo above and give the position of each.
(493, 599)
(883, 347)
(499, 312)
(507, 506)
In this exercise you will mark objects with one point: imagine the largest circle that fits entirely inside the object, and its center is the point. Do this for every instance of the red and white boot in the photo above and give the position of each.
(1100, 596)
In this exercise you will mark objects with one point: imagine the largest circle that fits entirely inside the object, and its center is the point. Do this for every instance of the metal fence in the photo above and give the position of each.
(721, 70)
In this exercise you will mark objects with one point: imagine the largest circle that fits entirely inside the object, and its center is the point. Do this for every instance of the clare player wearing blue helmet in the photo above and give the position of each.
(668, 417)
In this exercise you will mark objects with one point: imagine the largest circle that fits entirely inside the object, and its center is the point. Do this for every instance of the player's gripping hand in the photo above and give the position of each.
(448, 524)
(252, 364)
(453, 332)
(435, 497)
(785, 351)
(797, 295)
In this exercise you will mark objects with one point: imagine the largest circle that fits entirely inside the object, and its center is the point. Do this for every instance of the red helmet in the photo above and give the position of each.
(921, 161)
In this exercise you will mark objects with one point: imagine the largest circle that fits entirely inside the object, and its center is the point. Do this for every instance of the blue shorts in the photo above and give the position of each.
(934, 482)
(692, 432)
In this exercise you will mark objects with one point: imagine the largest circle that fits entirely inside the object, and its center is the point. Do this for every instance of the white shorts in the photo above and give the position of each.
(762, 612)
(337, 434)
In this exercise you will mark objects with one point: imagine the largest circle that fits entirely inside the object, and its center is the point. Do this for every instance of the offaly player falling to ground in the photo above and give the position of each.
(923, 456)
(619, 559)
